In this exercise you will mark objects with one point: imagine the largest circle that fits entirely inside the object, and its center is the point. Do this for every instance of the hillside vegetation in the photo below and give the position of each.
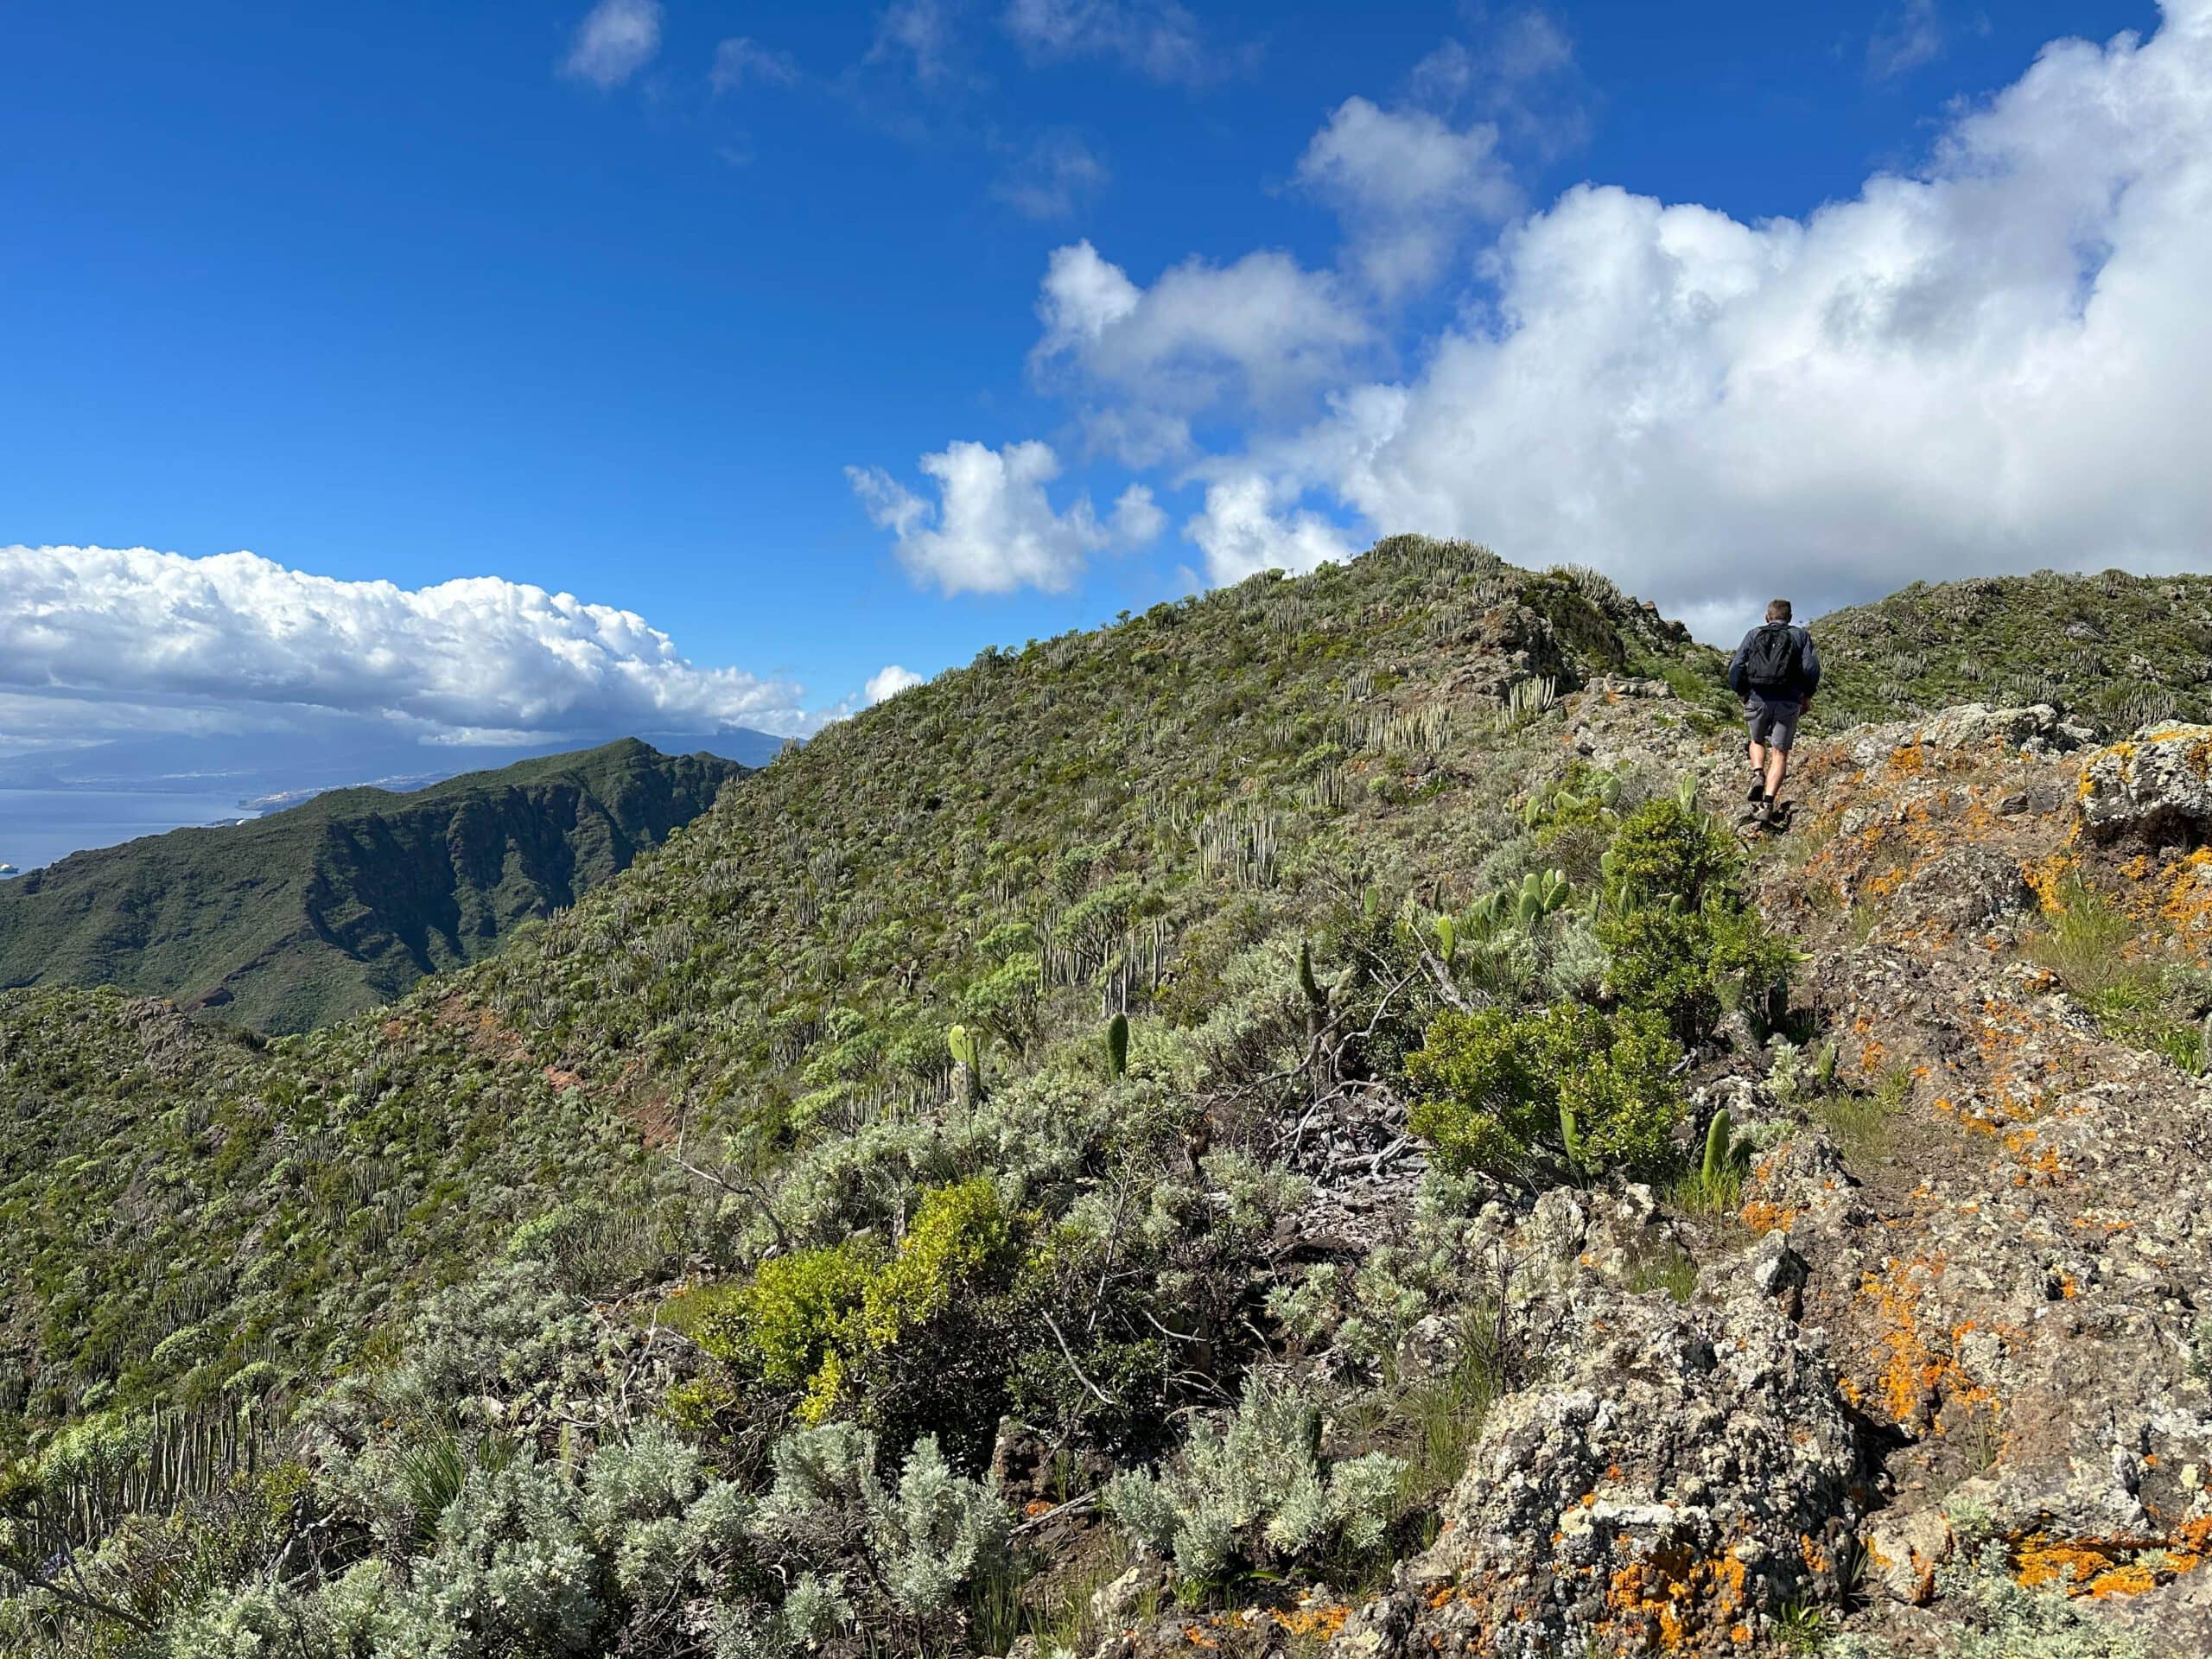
(2123, 650)
(339, 905)
(1282, 1123)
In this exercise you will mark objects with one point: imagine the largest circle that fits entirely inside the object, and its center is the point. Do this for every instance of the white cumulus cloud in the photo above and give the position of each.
(1408, 186)
(237, 634)
(889, 682)
(1249, 524)
(1258, 336)
(1994, 360)
(1997, 363)
(616, 39)
(993, 528)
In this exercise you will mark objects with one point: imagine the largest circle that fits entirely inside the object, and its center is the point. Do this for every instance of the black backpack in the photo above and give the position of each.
(1773, 660)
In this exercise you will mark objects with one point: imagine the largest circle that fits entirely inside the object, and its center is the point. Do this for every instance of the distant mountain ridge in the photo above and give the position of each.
(338, 905)
(264, 767)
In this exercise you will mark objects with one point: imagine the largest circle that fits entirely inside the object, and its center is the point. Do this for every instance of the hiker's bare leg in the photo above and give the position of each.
(1777, 764)
(1758, 756)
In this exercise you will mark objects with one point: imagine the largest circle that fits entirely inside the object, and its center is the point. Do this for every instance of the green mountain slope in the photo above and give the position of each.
(1113, 817)
(2122, 650)
(816, 1120)
(338, 905)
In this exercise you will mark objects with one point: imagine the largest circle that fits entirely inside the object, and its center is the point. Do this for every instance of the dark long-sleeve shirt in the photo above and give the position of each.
(1808, 668)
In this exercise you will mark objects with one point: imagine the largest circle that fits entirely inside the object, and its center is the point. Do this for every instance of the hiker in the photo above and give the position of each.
(1776, 670)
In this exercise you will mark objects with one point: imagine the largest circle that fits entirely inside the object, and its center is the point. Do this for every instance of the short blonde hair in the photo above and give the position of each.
(1778, 611)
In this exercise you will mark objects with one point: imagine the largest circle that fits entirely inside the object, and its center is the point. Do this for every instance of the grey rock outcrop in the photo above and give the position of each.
(1686, 1471)
(2157, 787)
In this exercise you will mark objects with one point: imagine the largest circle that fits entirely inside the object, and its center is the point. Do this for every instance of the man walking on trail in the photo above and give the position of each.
(1776, 670)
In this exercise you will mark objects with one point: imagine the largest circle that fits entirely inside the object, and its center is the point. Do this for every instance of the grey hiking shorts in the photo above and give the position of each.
(1773, 724)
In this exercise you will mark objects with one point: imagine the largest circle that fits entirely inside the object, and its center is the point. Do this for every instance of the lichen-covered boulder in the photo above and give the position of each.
(2156, 787)
(1687, 1473)
(2036, 730)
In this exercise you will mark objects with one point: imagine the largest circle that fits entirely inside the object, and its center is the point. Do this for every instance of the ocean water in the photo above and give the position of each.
(38, 826)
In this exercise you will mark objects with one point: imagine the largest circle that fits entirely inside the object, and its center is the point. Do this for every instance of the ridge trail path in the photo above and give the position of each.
(1958, 1318)
(2013, 1277)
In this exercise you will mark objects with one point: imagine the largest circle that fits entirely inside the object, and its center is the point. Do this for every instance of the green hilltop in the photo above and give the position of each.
(1133, 818)
(2122, 650)
(338, 905)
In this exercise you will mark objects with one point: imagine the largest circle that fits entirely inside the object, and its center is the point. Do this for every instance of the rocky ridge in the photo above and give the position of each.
(1971, 1338)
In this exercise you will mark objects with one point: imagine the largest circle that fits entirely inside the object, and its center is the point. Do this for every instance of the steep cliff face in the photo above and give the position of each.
(334, 906)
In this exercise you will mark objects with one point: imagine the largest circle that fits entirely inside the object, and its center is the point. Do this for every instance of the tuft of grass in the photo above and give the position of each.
(1864, 1124)
(1672, 1270)
(998, 1614)
(2095, 949)
(1446, 1413)
(1716, 1197)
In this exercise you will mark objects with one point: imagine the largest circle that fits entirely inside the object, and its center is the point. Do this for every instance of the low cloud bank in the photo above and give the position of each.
(131, 637)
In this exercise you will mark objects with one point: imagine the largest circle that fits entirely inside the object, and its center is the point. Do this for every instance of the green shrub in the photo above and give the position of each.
(1257, 1494)
(913, 1545)
(956, 1233)
(783, 1324)
(819, 1320)
(632, 1552)
(1501, 1092)
(1664, 851)
(1685, 940)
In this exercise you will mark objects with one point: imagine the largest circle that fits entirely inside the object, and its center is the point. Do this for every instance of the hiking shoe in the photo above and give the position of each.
(1759, 789)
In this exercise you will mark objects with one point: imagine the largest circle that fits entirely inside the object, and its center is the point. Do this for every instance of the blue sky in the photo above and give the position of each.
(423, 291)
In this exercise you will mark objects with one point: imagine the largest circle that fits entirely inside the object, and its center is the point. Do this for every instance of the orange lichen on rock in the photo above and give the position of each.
(1677, 1596)
(2186, 907)
(2101, 1567)
(1762, 1217)
(1323, 1621)
(1914, 1374)
(2047, 876)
